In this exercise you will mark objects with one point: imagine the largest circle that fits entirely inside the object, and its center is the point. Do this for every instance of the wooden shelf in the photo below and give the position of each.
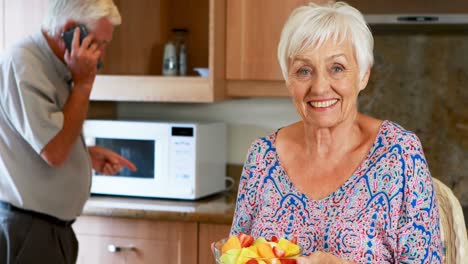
(152, 88)
(133, 59)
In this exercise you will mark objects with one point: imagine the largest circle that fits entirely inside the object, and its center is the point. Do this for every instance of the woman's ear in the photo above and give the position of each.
(365, 80)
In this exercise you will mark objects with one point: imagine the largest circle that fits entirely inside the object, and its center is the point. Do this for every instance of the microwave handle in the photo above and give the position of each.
(114, 249)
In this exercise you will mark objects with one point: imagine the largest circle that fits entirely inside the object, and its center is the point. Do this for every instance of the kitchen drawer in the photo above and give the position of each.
(94, 249)
(152, 241)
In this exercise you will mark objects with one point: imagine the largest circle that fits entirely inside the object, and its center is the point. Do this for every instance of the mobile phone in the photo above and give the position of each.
(68, 38)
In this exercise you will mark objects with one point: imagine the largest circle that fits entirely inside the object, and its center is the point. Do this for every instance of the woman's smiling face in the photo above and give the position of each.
(324, 83)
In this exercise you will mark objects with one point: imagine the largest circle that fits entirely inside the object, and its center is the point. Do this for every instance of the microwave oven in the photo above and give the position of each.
(173, 160)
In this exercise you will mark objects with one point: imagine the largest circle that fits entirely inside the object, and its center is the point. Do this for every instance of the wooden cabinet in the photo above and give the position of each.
(253, 32)
(133, 64)
(121, 240)
(253, 29)
(207, 234)
(139, 241)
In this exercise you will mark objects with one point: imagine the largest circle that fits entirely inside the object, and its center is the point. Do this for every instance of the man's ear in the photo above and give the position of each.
(69, 25)
(365, 80)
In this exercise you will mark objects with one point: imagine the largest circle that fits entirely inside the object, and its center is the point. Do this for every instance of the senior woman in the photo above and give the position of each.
(348, 186)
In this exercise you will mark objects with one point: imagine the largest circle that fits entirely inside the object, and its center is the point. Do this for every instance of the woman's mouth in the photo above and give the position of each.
(323, 104)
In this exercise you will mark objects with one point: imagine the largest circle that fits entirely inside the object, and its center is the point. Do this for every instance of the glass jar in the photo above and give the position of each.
(181, 47)
(169, 59)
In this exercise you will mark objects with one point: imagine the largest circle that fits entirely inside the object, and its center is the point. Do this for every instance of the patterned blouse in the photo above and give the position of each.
(386, 212)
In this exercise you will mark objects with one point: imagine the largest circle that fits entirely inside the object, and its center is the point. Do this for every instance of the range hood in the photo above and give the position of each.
(413, 12)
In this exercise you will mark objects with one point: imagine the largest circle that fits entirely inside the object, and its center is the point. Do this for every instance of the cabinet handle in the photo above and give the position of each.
(114, 249)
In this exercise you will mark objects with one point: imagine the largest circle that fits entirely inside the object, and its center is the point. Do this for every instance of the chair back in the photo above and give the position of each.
(452, 225)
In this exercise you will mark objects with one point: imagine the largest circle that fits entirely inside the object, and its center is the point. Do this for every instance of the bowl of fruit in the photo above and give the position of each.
(245, 249)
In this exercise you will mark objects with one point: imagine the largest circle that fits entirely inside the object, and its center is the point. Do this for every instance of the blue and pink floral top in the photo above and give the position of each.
(386, 212)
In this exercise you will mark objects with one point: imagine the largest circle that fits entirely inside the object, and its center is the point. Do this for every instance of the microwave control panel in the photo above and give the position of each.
(182, 154)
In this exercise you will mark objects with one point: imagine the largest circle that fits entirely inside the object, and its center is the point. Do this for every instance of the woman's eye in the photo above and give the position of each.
(337, 69)
(303, 72)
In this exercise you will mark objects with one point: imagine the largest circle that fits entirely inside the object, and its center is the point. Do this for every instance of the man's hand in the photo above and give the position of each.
(107, 162)
(320, 257)
(82, 60)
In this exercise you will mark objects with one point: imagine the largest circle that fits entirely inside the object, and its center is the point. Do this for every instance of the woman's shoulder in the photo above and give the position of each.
(263, 143)
(396, 135)
(260, 149)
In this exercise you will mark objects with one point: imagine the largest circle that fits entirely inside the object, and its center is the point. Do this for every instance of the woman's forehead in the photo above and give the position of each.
(327, 49)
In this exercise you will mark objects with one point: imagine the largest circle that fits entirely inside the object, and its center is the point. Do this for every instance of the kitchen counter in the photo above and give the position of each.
(217, 209)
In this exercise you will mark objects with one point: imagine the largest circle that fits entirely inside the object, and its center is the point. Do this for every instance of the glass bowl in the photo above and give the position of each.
(203, 72)
(217, 252)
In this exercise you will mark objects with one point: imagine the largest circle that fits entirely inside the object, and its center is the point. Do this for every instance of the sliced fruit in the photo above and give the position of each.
(275, 261)
(288, 261)
(232, 243)
(294, 240)
(260, 240)
(264, 250)
(230, 256)
(279, 252)
(290, 248)
(254, 249)
(246, 254)
(244, 249)
(245, 240)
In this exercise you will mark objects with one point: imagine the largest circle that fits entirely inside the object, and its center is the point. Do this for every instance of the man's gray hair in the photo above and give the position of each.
(82, 11)
(312, 25)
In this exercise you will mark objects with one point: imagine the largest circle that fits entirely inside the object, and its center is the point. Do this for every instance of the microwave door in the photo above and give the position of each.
(139, 152)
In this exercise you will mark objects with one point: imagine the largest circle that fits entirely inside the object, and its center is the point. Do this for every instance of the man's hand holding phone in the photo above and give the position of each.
(82, 59)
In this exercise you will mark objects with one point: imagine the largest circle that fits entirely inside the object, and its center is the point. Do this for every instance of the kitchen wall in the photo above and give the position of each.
(247, 119)
(419, 81)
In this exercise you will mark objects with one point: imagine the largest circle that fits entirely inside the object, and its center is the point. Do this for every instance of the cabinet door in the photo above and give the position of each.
(151, 241)
(94, 249)
(133, 64)
(22, 18)
(253, 31)
(209, 233)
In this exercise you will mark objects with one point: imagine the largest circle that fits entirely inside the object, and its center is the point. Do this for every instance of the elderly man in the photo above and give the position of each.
(45, 166)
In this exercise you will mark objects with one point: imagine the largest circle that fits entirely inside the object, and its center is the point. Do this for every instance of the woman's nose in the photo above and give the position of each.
(320, 83)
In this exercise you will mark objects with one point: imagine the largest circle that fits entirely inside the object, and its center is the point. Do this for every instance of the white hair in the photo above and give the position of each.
(82, 11)
(312, 25)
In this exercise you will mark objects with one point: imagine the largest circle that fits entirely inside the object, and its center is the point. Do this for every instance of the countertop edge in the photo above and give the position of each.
(218, 209)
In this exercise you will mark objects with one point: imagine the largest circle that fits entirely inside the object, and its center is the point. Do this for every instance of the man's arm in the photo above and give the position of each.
(82, 64)
(107, 162)
(57, 150)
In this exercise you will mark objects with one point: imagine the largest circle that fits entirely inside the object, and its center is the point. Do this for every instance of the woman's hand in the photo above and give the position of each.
(107, 162)
(320, 257)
